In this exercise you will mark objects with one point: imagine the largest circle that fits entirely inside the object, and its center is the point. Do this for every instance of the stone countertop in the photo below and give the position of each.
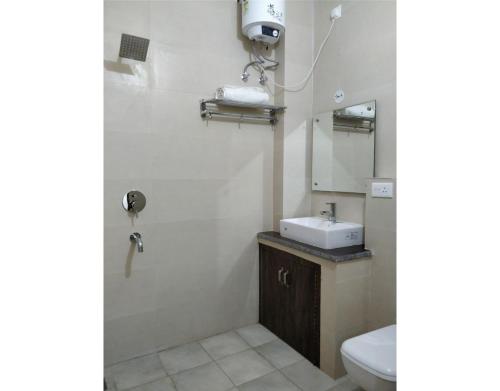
(336, 255)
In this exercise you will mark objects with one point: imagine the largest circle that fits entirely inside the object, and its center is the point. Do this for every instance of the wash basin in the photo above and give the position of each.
(321, 232)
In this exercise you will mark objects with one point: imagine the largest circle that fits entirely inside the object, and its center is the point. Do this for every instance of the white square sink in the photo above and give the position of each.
(321, 232)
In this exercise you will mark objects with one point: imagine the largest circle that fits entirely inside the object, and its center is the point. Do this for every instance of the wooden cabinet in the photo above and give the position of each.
(289, 304)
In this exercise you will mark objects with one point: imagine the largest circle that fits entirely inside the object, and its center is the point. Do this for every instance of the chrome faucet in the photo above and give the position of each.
(330, 213)
(136, 236)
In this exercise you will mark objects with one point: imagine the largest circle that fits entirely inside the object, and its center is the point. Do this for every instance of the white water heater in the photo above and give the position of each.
(263, 20)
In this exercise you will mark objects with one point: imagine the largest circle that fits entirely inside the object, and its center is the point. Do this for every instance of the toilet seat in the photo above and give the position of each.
(374, 351)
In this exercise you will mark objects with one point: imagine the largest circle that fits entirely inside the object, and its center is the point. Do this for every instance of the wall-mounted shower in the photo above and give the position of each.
(135, 48)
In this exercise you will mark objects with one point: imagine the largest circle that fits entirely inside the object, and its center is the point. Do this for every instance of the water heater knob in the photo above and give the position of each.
(275, 33)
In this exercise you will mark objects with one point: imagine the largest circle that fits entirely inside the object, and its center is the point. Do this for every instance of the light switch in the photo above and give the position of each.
(382, 190)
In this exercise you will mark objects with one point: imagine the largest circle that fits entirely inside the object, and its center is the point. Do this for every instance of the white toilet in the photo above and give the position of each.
(370, 359)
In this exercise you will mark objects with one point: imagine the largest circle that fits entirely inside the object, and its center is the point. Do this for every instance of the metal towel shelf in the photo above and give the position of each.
(253, 112)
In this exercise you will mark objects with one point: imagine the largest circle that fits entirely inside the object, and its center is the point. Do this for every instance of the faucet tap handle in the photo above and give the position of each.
(331, 213)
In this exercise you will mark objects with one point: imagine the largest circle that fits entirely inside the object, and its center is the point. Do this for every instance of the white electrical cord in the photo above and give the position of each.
(297, 87)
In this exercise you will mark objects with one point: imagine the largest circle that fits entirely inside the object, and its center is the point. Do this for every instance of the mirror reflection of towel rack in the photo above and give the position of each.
(359, 118)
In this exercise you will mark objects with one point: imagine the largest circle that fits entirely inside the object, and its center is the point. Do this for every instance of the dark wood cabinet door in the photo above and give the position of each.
(302, 326)
(290, 307)
(271, 298)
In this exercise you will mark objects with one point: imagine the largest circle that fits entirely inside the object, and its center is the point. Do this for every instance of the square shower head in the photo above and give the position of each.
(134, 47)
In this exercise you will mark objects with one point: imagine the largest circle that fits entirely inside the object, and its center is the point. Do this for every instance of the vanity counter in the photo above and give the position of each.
(336, 255)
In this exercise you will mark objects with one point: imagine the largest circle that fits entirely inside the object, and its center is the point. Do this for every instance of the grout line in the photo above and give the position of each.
(284, 374)
(188, 369)
(143, 384)
(218, 366)
(275, 369)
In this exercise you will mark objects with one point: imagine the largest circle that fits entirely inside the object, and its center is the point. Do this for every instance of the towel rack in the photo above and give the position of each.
(210, 108)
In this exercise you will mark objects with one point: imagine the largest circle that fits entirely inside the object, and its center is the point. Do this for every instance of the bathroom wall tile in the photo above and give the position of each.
(223, 345)
(278, 353)
(178, 157)
(227, 72)
(347, 271)
(183, 357)
(256, 335)
(364, 55)
(125, 296)
(175, 23)
(302, 53)
(173, 327)
(176, 68)
(211, 205)
(121, 256)
(208, 377)
(295, 140)
(221, 33)
(131, 17)
(129, 336)
(178, 114)
(381, 213)
(245, 366)
(298, 200)
(352, 303)
(209, 186)
(308, 377)
(300, 13)
(274, 381)
(127, 108)
(349, 206)
(128, 155)
(137, 371)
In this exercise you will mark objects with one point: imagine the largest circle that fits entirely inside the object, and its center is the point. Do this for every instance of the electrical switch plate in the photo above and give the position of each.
(382, 190)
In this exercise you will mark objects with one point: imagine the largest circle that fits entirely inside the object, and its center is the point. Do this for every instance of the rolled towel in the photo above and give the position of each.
(254, 95)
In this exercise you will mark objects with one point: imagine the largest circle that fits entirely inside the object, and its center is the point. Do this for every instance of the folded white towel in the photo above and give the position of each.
(253, 95)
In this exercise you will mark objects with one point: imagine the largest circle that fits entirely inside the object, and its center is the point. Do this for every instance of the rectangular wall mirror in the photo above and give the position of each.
(344, 148)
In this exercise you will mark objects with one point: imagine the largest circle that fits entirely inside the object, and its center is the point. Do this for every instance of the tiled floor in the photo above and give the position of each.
(248, 359)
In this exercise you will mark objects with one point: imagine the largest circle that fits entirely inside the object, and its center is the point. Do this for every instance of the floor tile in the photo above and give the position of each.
(207, 377)
(256, 335)
(108, 376)
(184, 357)
(274, 381)
(308, 377)
(245, 366)
(136, 372)
(345, 384)
(163, 384)
(279, 353)
(223, 345)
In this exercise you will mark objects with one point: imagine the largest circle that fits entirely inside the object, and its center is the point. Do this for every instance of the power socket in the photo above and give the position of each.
(382, 190)
(336, 12)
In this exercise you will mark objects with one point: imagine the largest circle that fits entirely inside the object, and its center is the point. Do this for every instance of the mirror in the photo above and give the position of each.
(344, 148)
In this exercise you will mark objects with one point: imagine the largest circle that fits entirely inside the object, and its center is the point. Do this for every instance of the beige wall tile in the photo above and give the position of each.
(380, 234)
(129, 336)
(347, 271)
(349, 206)
(353, 299)
(209, 186)
(359, 58)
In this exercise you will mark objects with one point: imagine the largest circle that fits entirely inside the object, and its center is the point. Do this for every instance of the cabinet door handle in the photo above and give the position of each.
(279, 275)
(285, 275)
